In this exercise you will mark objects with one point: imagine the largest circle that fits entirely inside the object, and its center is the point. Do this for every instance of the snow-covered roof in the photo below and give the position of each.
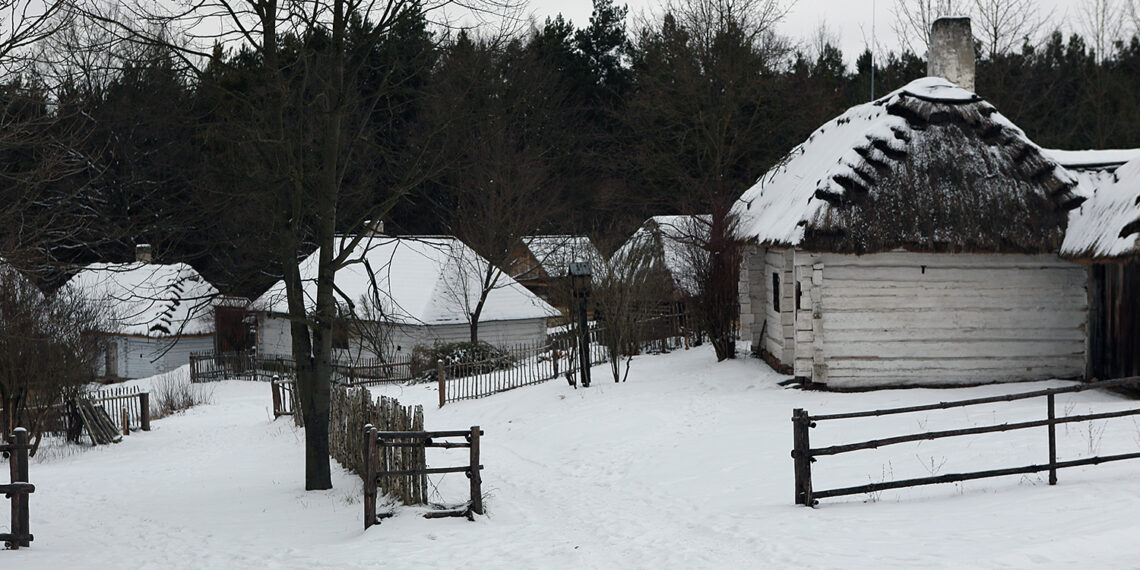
(929, 167)
(554, 253)
(1107, 226)
(672, 243)
(151, 299)
(1105, 159)
(418, 280)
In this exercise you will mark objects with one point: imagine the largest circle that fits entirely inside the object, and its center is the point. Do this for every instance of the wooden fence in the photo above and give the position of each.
(354, 408)
(18, 489)
(128, 406)
(379, 445)
(803, 455)
(209, 366)
(517, 366)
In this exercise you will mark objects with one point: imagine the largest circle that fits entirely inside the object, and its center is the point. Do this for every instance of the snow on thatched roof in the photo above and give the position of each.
(419, 280)
(930, 167)
(669, 243)
(1104, 159)
(554, 253)
(1107, 226)
(156, 300)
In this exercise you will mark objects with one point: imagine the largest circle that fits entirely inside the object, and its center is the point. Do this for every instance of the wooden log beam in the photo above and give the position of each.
(955, 477)
(988, 400)
(876, 443)
(426, 471)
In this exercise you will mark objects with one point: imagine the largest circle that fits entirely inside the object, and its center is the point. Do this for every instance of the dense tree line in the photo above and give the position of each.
(584, 129)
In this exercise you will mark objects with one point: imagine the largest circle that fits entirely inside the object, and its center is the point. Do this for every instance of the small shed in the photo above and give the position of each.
(1104, 233)
(416, 291)
(914, 240)
(160, 314)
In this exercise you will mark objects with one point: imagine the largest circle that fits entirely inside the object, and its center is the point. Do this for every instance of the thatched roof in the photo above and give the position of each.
(1107, 226)
(930, 167)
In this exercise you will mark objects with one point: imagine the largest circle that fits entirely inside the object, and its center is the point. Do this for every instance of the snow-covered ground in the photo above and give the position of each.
(686, 465)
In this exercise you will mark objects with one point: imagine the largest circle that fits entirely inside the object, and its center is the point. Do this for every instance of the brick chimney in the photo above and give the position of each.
(144, 253)
(951, 52)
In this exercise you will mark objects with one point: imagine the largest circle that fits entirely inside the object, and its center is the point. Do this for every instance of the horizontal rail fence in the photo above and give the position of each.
(351, 410)
(378, 444)
(516, 366)
(129, 406)
(803, 455)
(17, 490)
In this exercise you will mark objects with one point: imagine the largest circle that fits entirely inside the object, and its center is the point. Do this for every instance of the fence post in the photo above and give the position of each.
(276, 397)
(126, 424)
(801, 446)
(473, 473)
(442, 381)
(144, 410)
(370, 448)
(1052, 442)
(18, 465)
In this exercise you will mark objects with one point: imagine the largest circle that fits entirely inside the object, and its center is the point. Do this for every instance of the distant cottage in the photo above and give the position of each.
(1105, 233)
(672, 247)
(160, 314)
(416, 291)
(539, 262)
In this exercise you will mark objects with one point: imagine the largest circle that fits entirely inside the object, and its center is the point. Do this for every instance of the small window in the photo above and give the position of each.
(799, 296)
(776, 292)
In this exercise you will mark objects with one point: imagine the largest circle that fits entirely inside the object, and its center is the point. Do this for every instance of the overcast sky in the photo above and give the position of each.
(850, 20)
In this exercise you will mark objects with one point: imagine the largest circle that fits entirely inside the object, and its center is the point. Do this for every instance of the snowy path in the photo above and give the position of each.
(684, 466)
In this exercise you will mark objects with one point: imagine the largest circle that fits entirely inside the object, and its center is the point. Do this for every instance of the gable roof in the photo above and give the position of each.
(1085, 160)
(419, 280)
(930, 167)
(1107, 226)
(672, 244)
(554, 253)
(156, 300)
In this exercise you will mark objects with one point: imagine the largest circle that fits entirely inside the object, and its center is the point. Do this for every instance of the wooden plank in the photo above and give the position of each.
(965, 260)
(919, 319)
(865, 276)
(942, 348)
(950, 334)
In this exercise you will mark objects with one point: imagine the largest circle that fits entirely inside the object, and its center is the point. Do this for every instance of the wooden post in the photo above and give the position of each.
(126, 417)
(370, 457)
(476, 478)
(802, 457)
(144, 410)
(442, 381)
(276, 398)
(18, 465)
(1052, 442)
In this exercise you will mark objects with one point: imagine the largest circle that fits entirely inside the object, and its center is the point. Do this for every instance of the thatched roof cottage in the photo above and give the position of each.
(913, 241)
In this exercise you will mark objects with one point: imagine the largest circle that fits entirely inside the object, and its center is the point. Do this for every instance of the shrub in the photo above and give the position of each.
(175, 393)
(463, 358)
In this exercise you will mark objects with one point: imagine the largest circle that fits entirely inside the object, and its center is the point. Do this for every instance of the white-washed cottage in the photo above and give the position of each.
(1104, 232)
(672, 246)
(417, 291)
(159, 314)
(913, 241)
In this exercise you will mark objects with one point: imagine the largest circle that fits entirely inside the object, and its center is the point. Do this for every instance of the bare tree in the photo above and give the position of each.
(913, 19)
(307, 123)
(624, 295)
(1101, 22)
(1004, 25)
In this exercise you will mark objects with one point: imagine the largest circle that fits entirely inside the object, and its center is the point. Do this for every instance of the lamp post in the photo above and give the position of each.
(580, 278)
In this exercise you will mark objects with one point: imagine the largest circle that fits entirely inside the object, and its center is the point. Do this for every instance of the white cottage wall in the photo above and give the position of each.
(902, 318)
(753, 292)
(140, 357)
(779, 332)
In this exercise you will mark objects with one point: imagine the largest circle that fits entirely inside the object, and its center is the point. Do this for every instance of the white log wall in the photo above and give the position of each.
(904, 318)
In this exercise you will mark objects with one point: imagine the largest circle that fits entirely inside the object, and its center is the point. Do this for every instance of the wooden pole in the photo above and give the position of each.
(369, 475)
(1052, 442)
(18, 462)
(126, 417)
(801, 456)
(442, 381)
(476, 478)
(276, 398)
(144, 410)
